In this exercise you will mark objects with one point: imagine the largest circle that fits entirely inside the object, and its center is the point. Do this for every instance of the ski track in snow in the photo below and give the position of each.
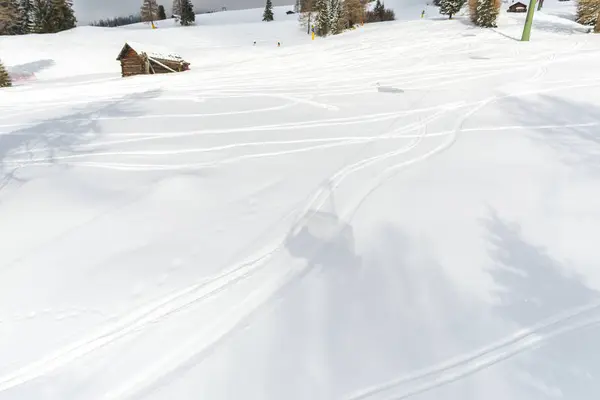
(454, 370)
(464, 365)
(158, 310)
(147, 380)
(190, 353)
(194, 294)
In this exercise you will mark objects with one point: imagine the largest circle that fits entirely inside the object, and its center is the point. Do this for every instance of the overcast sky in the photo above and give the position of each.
(90, 10)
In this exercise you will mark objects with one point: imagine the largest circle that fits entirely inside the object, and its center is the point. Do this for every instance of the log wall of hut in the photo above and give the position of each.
(161, 69)
(131, 64)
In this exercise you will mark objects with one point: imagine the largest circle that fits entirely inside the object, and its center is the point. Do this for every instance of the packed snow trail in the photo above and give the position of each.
(401, 211)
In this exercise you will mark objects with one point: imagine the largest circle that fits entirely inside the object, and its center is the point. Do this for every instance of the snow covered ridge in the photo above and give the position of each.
(408, 210)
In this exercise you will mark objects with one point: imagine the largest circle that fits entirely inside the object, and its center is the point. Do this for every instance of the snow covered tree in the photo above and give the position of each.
(149, 11)
(323, 19)
(588, 12)
(487, 13)
(9, 17)
(379, 10)
(484, 12)
(26, 23)
(63, 17)
(337, 20)
(4, 77)
(268, 14)
(451, 7)
(161, 13)
(188, 17)
(42, 16)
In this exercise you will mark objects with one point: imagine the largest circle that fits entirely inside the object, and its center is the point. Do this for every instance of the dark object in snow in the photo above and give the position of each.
(290, 12)
(518, 7)
(388, 89)
(322, 238)
(162, 15)
(268, 14)
(138, 59)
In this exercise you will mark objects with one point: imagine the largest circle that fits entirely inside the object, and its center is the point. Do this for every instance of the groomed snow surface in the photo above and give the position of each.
(406, 210)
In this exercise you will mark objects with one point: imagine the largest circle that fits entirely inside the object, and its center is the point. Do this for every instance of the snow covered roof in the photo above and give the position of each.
(151, 51)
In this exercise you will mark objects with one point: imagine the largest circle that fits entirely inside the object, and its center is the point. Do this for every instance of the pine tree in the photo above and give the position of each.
(379, 10)
(161, 13)
(485, 12)
(149, 11)
(588, 12)
(451, 7)
(26, 23)
(323, 20)
(9, 17)
(333, 15)
(63, 17)
(4, 77)
(268, 14)
(187, 13)
(337, 22)
(42, 16)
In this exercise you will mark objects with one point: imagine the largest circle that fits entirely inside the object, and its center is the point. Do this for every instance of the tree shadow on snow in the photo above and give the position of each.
(31, 67)
(532, 287)
(560, 26)
(495, 30)
(60, 136)
(577, 146)
(358, 321)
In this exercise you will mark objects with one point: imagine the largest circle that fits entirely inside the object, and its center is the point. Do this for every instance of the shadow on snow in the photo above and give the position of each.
(60, 136)
(532, 287)
(578, 146)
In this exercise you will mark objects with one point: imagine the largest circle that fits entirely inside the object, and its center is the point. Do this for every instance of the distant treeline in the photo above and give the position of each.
(118, 21)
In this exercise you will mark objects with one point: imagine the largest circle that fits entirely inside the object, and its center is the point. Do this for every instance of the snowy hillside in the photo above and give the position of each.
(406, 210)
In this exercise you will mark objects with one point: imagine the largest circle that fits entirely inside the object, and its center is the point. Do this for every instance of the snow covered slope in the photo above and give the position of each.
(407, 210)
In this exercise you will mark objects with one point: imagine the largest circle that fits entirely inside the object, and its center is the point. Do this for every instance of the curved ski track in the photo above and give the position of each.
(193, 295)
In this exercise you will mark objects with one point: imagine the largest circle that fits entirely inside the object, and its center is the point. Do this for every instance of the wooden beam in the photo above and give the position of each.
(161, 64)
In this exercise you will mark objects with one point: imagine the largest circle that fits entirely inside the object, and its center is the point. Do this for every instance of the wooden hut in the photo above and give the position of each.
(139, 59)
(517, 7)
